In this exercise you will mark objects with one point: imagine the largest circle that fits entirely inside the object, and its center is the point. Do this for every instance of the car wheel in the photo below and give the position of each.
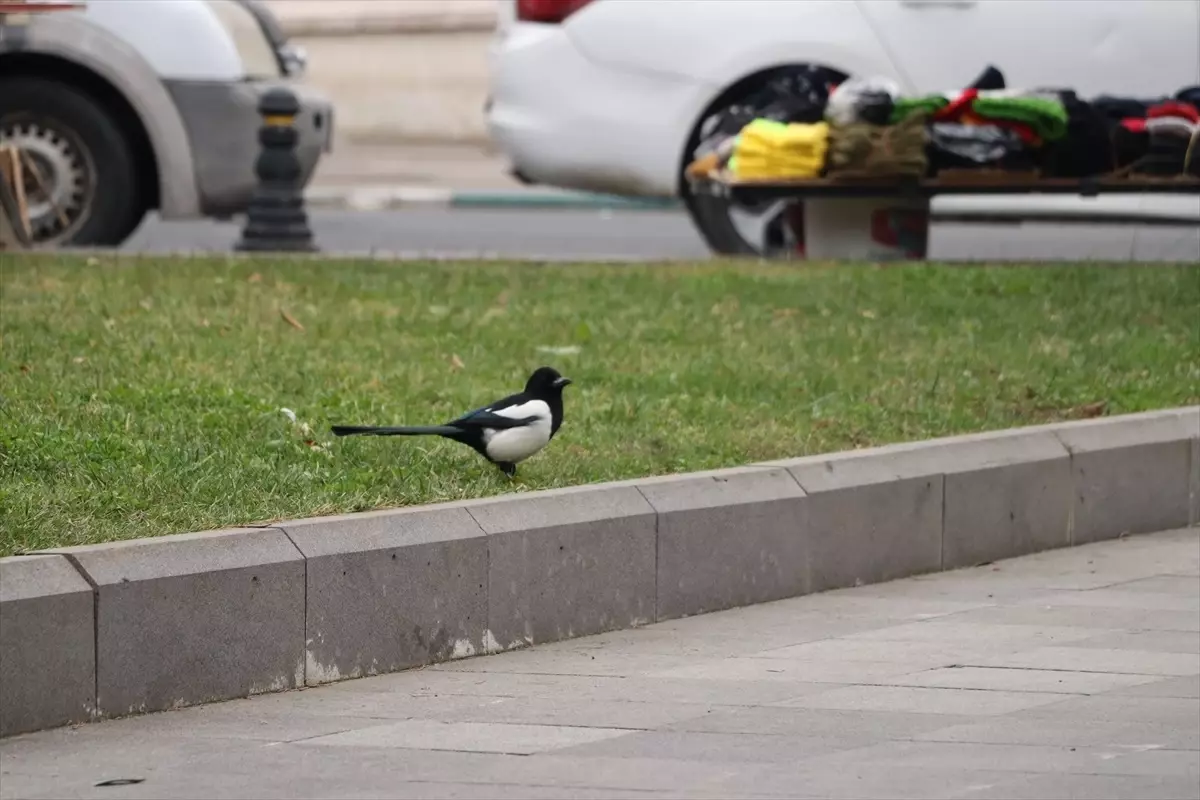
(770, 229)
(81, 181)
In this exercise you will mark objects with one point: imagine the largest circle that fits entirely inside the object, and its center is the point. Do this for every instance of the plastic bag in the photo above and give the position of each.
(862, 100)
(973, 144)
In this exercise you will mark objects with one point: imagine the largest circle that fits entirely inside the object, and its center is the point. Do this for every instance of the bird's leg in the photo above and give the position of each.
(508, 468)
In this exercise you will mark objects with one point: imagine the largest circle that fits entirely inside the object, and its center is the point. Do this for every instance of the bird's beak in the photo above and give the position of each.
(561, 382)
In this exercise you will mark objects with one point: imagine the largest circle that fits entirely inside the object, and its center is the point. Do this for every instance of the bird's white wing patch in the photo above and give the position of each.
(530, 408)
(518, 444)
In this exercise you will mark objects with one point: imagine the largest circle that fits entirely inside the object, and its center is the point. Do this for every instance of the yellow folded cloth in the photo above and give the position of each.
(768, 149)
(793, 136)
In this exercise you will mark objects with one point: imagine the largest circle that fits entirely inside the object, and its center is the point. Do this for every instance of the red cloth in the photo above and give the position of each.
(959, 110)
(956, 107)
(1174, 108)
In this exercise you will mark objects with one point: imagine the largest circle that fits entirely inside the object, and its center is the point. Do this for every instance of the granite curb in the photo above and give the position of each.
(388, 197)
(393, 198)
(109, 630)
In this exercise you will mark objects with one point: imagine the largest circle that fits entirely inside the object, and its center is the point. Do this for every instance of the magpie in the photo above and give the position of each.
(506, 432)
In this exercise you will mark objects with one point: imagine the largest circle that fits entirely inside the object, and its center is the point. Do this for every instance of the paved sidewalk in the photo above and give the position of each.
(375, 177)
(1073, 673)
(346, 17)
(378, 177)
(442, 166)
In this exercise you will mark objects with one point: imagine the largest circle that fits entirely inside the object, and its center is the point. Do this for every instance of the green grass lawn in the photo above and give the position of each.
(143, 396)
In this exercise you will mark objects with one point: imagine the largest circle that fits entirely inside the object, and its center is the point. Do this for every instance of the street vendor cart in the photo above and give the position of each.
(859, 179)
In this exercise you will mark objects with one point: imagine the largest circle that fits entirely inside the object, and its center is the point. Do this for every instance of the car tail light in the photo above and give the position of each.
(552, 11)
(38, 6)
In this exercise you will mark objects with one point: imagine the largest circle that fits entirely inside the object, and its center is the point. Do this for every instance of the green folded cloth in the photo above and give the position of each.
(1047, 117)
(904, 107)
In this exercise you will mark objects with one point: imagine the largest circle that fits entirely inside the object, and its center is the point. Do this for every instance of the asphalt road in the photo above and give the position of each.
(646, 235)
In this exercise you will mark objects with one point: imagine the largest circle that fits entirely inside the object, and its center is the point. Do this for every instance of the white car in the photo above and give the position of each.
(610, 95)
(128, 106)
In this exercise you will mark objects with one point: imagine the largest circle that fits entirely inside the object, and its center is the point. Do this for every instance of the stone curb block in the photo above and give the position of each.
(161, 623)
(871, 518)
(390, 590)
(1001, 496)
(393, 198)
(194, 618)
(1133, 475)
(567, 563)
(701, 566)
(1194, 484)
(945, 209)
(47, 644)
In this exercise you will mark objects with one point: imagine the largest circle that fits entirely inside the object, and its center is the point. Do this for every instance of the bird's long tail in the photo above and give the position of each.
(413, 430)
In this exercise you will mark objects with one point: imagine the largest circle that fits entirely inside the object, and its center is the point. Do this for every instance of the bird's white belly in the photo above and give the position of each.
(517, 444)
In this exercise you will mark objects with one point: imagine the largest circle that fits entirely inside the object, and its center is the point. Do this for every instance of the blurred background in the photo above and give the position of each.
(409, 79)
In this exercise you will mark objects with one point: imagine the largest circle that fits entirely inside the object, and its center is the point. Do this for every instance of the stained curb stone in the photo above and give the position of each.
(1131, 475)
(567, 563)
(390, 590)
(47, 644)
(872, 518)
(195, 618)
(728, 538)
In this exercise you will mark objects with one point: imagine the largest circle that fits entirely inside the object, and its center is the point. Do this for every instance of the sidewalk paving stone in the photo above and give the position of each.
(1061, 684)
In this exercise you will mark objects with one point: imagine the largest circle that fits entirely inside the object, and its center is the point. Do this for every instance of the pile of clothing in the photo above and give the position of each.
(865, 128)
(768, 149)
(1153, 138)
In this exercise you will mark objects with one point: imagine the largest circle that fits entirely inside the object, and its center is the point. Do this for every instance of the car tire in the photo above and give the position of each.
(95, 197)
(711, 214)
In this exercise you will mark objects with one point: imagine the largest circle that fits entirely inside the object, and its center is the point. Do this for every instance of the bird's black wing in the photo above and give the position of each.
(487, 418)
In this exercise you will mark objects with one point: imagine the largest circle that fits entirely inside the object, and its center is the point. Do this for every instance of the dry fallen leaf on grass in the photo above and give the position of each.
(317, 447)
(290, 320)
(457, 362)
(1089, 410)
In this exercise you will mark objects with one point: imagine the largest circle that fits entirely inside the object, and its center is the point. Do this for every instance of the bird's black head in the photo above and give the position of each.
(546, 381)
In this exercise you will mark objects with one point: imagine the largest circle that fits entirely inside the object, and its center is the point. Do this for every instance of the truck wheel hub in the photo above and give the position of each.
(56, 177)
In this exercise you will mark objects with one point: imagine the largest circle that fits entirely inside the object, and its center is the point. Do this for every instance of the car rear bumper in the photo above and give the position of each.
(569, 122)
(222, 123)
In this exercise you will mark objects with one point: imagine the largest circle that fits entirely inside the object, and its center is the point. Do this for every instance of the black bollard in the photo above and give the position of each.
(276, 220)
